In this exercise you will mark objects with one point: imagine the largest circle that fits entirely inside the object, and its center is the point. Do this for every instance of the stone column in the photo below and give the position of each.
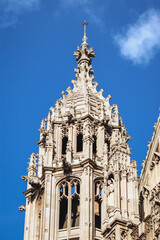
(27, 220)
(87, 205)
(53, 208)
(69, 211)
(124, 194)
(47, 205)
(59, 143)
(117, 192)
(104, 206)
(57, 209)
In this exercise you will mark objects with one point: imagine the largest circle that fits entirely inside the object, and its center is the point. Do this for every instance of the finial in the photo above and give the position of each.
(84, 37)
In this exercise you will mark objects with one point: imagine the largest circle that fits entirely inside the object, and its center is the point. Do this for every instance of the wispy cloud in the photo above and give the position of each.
(11, 9)
(87, 7)
(74, 2)
(141, 41)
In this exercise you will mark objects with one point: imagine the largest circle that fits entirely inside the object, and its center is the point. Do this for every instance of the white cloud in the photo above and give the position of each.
(11, 9)
(141, 41)
(93, 17)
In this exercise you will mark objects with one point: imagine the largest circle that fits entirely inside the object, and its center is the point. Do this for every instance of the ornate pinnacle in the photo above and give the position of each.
(84, 54)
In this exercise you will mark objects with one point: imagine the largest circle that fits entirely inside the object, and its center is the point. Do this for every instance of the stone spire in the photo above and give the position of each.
(84, 37)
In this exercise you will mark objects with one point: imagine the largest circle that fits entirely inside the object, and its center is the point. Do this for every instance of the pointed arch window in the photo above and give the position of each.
(75, 211)
(79, 142)
(64, 145)
(69, 204)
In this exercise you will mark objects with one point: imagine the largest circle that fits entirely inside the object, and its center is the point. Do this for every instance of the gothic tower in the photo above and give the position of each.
(82, 183)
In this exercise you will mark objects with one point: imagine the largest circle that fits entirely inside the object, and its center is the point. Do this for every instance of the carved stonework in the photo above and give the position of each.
(124, 234)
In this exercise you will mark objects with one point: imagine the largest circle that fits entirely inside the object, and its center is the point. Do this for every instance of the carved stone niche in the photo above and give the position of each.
(112, 236)
(124, 234)
(64, 131)
(157, 232)
(135, 234)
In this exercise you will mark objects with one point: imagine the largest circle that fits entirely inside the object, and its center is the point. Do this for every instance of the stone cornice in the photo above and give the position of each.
(150, 152)
(90, 162)
(120, 222)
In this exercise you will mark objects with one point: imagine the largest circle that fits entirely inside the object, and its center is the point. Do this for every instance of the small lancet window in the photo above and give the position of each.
(75, 214)
(75, 211)
(63, 213)
(69, 204)
(64, 144)
(79, 143)
(94, 144)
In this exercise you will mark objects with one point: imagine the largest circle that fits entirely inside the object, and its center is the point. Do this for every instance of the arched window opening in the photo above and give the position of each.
(94, 144)
(79, 142)
(75, 211)
(69, 195)
(75, 214)
(64, 144)
(63, 213)
(98, 204)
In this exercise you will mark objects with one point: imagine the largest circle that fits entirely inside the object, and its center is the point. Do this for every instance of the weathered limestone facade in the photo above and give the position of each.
(149, 191)
(82, 183)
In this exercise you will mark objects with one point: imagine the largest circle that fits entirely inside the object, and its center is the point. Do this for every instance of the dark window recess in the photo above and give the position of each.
(79, 143)
(66, 190)
(75, 212)
(108, 144)
(95, 144)
(63, 213)
(111, 177)
(97, 210)
(141, 206)
(78, 189)
(64, 144)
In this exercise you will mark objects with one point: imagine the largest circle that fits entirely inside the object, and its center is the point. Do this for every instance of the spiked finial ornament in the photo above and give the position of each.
(84, 37)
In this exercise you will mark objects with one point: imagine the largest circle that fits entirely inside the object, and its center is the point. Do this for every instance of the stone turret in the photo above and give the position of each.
(87, 185)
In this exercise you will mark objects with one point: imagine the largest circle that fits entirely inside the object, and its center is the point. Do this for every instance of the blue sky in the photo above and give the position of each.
(37, 41)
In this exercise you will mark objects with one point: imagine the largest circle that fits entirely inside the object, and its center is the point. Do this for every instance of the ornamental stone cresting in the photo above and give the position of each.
(82, 184)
